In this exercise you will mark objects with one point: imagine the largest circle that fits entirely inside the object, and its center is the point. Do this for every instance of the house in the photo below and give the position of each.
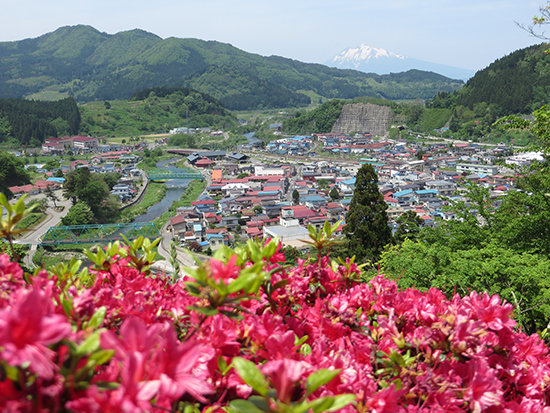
(289, 231)
(314, 201)
(230, 222)
(76, 164)
(424, 195)
(473, 168)
(237, 157)
(123, 191)
(443, 188)
(53, 148)
(265, 171)
(204, 162)
(403, 197)
(177, 226)
(215, 241)
(84, 142)
(63, 140)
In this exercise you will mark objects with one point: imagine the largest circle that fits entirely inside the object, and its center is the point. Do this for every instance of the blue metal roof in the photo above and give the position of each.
(402, 193)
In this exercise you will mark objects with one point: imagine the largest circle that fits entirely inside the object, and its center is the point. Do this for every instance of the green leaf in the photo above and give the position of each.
(320, 378)
(299, 342)
(241, 282)
(222, 365)
(280, 284)
(319, 405)
(193, 287)
(101, 357)
(67, 306)
(397, 359)
(305, 349)
(251, 375)
(341, 401)
(260, 402)
(105, 385)
(89, 345)
(204, 310)
(98, 317)
(244, 406)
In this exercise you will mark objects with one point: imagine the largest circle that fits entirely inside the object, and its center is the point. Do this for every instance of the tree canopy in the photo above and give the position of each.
(12, 172)
(367, 226)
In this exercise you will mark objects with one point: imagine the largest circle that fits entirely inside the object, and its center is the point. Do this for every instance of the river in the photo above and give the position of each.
(174, 189)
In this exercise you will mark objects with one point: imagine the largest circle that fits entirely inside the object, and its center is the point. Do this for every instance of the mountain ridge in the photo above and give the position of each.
(89, 65)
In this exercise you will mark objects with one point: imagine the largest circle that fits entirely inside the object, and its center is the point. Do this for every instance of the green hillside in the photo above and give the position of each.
(517, 83)
(154, 111)
(89, 65)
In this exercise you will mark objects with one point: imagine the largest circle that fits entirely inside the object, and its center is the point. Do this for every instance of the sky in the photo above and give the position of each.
(468, 34)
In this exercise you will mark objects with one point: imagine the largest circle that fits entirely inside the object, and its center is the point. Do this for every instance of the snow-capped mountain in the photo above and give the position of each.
(374, 60)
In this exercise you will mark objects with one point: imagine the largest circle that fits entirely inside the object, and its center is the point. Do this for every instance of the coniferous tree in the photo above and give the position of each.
(296, 197)
(367, 221)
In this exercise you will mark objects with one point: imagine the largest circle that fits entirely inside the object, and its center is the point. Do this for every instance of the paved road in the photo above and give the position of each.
(53, 217)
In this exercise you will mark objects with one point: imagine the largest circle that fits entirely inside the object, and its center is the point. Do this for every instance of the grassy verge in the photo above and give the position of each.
(44, 258)
(31, 220)
(153, 195)
(191, 194)
(148, 164)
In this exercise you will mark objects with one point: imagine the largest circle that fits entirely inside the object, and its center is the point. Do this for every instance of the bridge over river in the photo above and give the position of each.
(99, 233)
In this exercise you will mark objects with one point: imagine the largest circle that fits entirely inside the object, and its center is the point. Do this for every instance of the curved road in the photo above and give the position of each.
(53, 218)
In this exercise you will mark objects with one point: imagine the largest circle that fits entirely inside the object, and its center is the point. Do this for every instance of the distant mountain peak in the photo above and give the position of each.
(370, 59)
(363, 53)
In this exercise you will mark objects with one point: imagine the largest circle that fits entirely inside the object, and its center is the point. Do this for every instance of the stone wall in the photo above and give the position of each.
(364, 117)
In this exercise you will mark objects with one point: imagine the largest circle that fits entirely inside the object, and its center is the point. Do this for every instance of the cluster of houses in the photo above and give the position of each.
(295, 146)
(422, 177)
(83, 145)
(125, 189)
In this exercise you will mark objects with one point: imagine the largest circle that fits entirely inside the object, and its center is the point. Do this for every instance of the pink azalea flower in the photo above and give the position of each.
(386, 401)
(135, 336)
(222, 271)
(283, 375)
(175, 362)
(27, 328)
(483, 389)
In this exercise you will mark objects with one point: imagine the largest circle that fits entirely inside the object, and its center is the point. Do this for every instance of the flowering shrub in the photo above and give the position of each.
(243, 333)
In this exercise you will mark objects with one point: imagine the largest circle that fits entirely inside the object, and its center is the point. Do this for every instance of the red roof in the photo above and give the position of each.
(258, 223)
(82, 138)
(215, 230)
(21, 189)
(204, 161)
(206, 202)
(178, 219)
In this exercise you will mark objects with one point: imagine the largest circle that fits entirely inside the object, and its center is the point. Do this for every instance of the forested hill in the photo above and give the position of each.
(27, 122)
(89, 65)
(517, 83)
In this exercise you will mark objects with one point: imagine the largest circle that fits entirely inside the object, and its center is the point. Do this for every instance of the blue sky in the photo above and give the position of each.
(464, 33)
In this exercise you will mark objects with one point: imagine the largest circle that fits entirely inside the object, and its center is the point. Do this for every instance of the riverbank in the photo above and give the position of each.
(191, 194)
(154, 193)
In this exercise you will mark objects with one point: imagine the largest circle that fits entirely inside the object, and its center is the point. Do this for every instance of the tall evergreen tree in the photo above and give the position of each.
(367, 221)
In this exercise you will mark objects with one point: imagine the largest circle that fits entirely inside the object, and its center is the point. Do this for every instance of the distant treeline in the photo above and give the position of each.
(163, 91)
(29, 122)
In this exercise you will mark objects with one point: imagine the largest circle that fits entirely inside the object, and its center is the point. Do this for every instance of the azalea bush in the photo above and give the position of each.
(245, 333)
